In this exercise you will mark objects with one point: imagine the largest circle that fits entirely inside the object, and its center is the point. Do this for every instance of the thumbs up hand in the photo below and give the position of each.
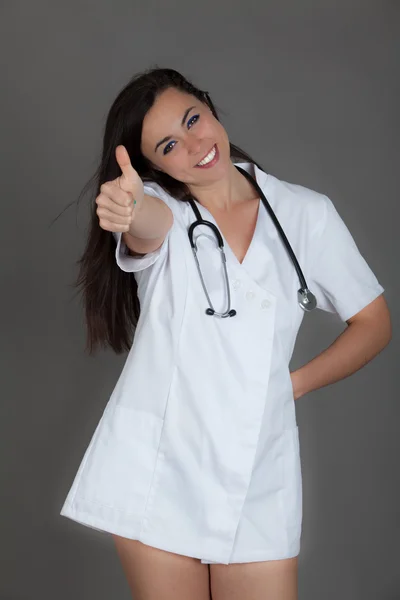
(119, 199)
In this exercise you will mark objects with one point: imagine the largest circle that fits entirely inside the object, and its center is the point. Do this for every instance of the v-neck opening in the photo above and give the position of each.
(226, 245)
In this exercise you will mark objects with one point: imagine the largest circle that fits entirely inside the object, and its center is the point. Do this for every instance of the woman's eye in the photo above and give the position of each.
(170, 145)
(193, 120)
(168, 148)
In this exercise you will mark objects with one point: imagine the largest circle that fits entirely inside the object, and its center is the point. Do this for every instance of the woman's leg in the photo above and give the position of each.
(266, 580)
(154, 574)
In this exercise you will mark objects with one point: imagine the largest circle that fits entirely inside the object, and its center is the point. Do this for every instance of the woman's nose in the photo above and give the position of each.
(193, 144)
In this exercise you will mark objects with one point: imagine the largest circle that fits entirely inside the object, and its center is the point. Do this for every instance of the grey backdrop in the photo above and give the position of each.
(311, 89)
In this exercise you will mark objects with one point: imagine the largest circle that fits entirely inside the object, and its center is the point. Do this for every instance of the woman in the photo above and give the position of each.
(194, 467)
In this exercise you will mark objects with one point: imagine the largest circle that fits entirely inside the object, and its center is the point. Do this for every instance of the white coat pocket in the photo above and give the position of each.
(118, 470)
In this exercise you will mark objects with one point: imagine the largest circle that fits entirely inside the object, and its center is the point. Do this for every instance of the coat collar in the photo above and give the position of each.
(252, 169)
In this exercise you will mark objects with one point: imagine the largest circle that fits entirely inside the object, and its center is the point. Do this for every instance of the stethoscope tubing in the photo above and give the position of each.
(286, 242)
(306, 298)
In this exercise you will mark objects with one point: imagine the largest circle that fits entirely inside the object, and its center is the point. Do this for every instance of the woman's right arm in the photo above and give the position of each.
(144, 224)
(151, 223)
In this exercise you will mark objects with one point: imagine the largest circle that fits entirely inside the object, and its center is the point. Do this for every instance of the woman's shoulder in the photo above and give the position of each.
(295, 191)
(282, 192)
(297, 201)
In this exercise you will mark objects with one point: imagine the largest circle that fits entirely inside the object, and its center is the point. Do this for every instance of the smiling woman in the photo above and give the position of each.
(196, 141)
(194, 467)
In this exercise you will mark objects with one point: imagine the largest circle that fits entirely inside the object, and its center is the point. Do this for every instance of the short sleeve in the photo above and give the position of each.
(133, 264)
(340, 277)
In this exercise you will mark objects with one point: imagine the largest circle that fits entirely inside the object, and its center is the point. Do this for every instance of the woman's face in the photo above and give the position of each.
(179, 132)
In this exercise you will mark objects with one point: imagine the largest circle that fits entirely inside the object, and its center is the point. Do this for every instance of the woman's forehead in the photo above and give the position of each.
(166, 113)
(169, 104)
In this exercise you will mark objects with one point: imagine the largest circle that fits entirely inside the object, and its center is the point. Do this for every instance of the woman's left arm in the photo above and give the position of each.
(368, 332)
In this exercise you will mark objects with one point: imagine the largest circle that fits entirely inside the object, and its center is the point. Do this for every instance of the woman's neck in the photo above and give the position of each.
(225, 194)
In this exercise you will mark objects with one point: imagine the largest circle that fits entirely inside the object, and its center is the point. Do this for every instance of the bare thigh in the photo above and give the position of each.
(154, 574)
(266, 580)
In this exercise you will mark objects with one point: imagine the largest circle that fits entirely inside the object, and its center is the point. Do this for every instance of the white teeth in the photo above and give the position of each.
(208, 158)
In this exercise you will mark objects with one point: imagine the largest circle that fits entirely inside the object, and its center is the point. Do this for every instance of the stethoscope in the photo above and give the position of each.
(306, 299)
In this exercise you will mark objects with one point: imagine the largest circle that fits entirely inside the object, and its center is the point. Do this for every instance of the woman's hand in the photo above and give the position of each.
(119, 199)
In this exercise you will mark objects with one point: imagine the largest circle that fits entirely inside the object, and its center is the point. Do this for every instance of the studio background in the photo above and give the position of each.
(311, 90)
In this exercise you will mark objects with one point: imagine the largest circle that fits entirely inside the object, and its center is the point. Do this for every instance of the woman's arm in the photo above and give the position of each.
(153, 219)
(368, 332)
(123, 206)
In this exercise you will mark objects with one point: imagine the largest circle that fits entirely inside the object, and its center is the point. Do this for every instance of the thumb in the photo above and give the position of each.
(124, 162)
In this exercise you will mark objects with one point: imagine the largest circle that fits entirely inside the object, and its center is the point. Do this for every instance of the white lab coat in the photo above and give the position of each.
(197, 451)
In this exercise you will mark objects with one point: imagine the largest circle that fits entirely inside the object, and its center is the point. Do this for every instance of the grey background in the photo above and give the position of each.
(311, 89)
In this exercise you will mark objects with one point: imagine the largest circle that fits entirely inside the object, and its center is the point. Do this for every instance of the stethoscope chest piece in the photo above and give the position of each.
(306, 299)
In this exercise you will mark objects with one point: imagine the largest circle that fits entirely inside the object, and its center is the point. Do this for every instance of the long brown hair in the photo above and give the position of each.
(109, 294)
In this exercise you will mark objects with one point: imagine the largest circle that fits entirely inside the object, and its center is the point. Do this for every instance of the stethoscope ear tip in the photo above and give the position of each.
(232, 312)
(210, 311)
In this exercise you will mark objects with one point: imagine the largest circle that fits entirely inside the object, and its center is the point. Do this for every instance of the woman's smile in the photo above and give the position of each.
(210, 159)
